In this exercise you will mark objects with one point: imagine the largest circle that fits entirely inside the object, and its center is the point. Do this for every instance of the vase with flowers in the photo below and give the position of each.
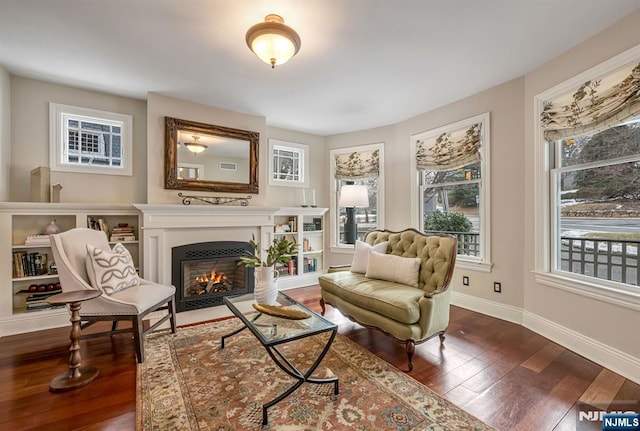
(264, 263)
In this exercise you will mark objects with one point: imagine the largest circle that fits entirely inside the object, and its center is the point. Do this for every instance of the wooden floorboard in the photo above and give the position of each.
(507, 376)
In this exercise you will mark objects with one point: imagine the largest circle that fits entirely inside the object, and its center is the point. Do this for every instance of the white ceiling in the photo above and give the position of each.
(363, 63)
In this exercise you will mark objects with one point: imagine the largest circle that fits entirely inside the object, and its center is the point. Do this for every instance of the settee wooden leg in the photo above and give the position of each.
(322, 305)
(442, 337)
(411, 348)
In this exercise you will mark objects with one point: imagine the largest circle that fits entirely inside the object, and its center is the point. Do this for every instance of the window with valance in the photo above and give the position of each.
(361, 165)
(592, 133)
(452, 163)
(357, 165)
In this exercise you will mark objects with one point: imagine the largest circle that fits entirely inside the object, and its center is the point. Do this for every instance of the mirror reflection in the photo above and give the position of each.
(212, 158)
(208, 157)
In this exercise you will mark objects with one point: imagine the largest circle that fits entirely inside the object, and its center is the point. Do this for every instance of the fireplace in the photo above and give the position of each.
(203, 273)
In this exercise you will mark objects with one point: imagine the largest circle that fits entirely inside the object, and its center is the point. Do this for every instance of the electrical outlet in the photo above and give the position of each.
(497, 287)
(465, 280)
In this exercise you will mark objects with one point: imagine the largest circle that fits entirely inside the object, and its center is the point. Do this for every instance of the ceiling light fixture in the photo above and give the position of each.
(195, 147)
(272, 41)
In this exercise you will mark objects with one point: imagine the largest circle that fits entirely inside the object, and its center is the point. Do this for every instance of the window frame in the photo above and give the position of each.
(58, 139)
(545, 226)
(303, 150)
(336, 246)
(482, 263)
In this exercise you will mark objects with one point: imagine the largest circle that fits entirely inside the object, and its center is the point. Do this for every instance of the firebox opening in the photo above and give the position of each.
(205, 272)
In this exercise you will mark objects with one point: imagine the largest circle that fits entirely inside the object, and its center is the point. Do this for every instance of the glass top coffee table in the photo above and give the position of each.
(272, 330)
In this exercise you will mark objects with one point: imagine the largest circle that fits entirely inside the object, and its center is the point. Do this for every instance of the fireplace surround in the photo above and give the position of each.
(168, 226)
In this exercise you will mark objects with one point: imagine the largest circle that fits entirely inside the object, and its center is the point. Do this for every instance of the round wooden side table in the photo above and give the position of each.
(77, 376)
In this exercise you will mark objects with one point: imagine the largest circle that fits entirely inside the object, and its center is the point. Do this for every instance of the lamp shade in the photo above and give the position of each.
(355, 196)
(272, 41)
(195, 146)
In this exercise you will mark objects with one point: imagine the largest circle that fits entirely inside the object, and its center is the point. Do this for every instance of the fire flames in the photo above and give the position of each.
(216, 282)
(214, 278)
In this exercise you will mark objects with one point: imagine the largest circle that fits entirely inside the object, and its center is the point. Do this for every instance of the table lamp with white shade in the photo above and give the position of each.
(351, 197)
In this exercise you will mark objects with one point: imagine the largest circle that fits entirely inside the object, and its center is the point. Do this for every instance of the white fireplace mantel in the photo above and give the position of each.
(167, 226)
(202, 216)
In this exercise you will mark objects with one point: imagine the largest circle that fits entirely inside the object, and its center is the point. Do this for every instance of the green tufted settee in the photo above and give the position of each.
(408, 314)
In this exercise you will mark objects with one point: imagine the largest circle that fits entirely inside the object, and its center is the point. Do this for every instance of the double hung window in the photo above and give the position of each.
(453, 169)
(592, 138)
(354, 215)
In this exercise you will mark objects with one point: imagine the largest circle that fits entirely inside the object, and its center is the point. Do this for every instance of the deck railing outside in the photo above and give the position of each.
(615, 260)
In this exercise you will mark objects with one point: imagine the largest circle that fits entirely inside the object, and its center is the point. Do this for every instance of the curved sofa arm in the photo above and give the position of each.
(434, 313)
(436, 292)
(339, 268)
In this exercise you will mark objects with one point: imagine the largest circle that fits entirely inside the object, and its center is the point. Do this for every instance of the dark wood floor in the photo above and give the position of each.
(506, 375)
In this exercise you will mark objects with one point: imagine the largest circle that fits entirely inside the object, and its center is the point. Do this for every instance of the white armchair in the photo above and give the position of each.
(132, 303)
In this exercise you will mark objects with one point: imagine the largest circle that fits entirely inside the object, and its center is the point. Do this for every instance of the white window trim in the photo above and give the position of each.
(333, 193)
(56, 140)
(483, 264)
(544, 227)
(200, 168)
(304, 163)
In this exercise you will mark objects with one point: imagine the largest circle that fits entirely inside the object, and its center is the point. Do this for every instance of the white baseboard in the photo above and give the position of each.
(594, 350)
(34, 321)
(490, 308)
(600, 353)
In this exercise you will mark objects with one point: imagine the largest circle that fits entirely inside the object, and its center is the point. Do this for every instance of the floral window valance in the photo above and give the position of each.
(449, 150)
(357, 165)
(595, 106)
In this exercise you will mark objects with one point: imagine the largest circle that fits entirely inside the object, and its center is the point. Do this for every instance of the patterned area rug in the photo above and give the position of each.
(188, 383)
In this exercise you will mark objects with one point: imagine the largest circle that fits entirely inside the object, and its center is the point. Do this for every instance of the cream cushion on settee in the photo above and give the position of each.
(409, 313)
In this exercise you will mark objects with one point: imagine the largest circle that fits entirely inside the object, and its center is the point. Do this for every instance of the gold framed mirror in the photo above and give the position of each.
(206, 157)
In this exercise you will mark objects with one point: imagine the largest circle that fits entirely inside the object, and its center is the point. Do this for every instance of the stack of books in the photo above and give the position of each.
(29, 264)
(123, 233)
(310, 264)
(38, 301)
(38, 240)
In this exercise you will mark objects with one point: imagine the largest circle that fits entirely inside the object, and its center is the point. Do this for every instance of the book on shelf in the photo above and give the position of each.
(44, 306)
(122, 238)
(97, 223)
(309, 264)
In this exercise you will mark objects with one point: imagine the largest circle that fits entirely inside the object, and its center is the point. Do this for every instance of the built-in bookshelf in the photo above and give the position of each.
(26, 259)
(306, 227)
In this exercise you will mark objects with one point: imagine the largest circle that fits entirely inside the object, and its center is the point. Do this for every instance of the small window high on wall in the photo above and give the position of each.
(452, 164)
(589, 160)
(89, 141)
(358, 188)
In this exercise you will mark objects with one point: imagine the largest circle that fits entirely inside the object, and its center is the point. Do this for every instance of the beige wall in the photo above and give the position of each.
(30, 143)
(604, 322)
(5, 133)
